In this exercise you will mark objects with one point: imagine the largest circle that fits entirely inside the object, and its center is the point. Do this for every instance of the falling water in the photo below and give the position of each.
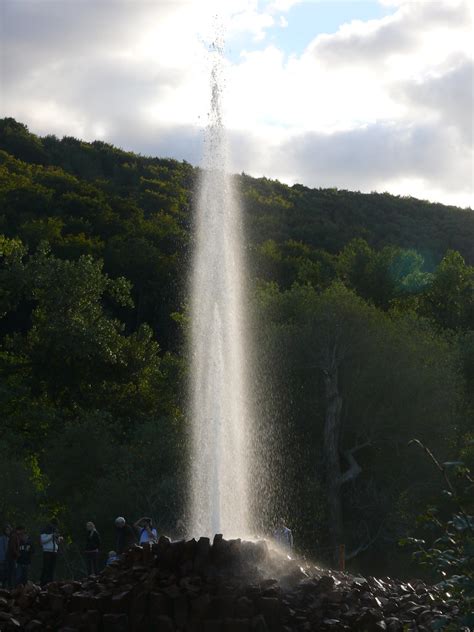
(219, 400)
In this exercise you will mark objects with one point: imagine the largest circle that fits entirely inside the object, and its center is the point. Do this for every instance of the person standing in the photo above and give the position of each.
(24, 559)
(146, 531)
(91, 549)
(125, 535)
(112, 557)
(4, 554)
(283, 535)
(13, 553)
(50, 541)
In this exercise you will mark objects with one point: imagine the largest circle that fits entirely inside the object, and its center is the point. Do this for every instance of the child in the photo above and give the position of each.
(112, 557)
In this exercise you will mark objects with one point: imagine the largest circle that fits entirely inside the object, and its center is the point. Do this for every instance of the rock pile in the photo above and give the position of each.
(226, 586)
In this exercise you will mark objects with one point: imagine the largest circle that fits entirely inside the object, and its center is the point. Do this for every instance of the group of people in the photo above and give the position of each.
(142, 532)
(17, 548)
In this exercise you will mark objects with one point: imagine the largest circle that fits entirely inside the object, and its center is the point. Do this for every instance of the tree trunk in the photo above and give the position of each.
(332, 433)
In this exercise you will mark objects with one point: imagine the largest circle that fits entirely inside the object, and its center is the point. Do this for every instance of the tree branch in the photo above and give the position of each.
(444, 472)
(354, 468)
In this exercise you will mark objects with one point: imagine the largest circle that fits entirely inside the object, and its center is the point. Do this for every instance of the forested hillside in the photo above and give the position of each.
(363, 333)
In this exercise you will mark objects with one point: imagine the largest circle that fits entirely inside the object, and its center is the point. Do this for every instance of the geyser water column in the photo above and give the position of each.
(219, 396)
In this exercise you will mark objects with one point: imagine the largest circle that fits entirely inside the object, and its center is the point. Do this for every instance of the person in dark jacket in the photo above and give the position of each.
(13, 553)
(125, 535)
(91, 549)
(24, 559)
(4, 538)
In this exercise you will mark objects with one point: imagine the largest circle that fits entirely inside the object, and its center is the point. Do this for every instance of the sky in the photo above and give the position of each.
(362, 95)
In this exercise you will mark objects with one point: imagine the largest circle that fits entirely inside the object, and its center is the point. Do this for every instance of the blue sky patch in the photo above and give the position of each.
(306, 20)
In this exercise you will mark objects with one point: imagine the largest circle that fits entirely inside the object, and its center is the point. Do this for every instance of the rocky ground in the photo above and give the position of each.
(224, 586)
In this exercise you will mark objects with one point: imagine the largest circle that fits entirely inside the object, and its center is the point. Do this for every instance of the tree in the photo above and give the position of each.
(17, 140)
(449, 300)
(381, 276)
(74, 352)
(12, 273)
(374, 376)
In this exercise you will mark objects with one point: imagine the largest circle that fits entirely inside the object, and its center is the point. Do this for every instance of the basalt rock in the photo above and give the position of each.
(226, 586)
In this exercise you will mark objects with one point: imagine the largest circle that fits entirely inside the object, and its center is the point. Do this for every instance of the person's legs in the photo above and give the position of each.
(88, 557)
(11, 574)
(49, 566)
(45, 570)
(91, 562)
(22, 574)
(95, 560)
(53, 566)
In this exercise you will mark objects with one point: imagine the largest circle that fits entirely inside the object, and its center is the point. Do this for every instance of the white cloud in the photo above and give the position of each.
(445, 96)
(251, 21)
(378, 157)
(418, 33)
(380, 104)
(278, 6)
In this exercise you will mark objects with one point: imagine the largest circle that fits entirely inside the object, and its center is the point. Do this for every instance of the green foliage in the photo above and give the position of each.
(18, 493)
(74, 352)
(449, 299)
(382, 276)
(12, 275)
(329, 219)
(18, 141)
(94, 256)
(449, 545)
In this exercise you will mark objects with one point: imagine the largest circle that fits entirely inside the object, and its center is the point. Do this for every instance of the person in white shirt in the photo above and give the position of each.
(146, 531)
(50, 541)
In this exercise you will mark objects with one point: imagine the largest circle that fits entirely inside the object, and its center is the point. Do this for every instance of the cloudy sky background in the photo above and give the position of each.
(363, 95)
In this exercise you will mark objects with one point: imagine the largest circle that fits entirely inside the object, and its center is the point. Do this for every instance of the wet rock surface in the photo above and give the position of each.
(226, 586)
